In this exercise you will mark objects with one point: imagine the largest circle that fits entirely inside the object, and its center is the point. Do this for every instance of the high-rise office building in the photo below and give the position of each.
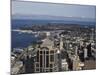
(61, 42)
(85, 53)
(46, 59)
(75, 64)
(64, 65)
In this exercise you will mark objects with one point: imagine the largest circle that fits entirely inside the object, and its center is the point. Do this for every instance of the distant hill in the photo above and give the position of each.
(49, 17)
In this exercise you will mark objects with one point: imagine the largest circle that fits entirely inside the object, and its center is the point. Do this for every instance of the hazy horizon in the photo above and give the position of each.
(22, 9)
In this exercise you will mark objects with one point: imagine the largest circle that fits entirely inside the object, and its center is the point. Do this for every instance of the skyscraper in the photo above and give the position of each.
(46, 59)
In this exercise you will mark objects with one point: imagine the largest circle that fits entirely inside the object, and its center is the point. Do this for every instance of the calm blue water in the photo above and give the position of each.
(22, 40)
(20, 23)
(25, 39)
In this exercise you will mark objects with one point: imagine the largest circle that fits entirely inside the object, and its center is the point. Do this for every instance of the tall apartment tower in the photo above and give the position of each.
(85, 53)
(75, 63)
(46, 59)
(61, 42)
(76, 50)
(91, 36)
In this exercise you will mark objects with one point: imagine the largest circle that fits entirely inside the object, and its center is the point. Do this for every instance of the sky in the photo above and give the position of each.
(66, 10)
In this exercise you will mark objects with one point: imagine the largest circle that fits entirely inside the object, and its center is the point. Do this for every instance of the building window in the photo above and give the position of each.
(51, 65)
(40, 52)
(52, 58)
(44, 52)
(41, 61)
(37, 69)
(51, 70)
(47, 61)
(41, 70)
(47, 52)
(37, 65)
(52, 52)
(47, 70)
